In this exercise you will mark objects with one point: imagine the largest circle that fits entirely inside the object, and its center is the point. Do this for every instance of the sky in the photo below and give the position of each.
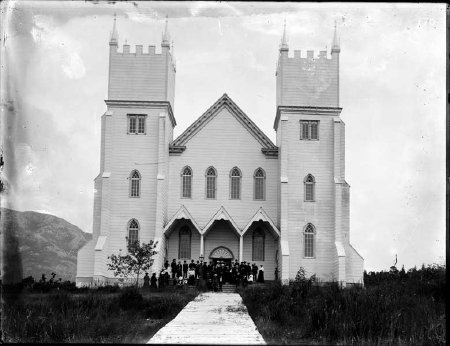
(393, 95)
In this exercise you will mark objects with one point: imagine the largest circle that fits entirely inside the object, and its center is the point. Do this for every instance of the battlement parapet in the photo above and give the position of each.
(310, 55)
(138, 50)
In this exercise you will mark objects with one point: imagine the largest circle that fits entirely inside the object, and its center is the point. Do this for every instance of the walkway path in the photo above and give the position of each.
(211, 318)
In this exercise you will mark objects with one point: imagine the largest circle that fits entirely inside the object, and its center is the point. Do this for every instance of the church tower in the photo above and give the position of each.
(313, 193)
(130, 191)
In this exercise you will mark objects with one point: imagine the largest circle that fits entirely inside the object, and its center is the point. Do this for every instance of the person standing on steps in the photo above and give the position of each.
(179, 269)
(261, 274)
(173, 267)
(185, 269)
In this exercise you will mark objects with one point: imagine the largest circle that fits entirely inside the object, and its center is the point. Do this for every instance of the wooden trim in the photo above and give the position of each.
(332, 111)
(143, 104)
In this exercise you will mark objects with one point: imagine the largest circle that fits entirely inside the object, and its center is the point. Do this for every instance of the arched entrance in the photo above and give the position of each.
(223, 254)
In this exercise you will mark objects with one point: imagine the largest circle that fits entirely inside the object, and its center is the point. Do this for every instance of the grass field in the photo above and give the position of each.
(394, 308)
(89, 316)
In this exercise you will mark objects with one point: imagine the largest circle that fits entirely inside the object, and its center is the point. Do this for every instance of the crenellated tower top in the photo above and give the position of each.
(141, 76)
(308, 81)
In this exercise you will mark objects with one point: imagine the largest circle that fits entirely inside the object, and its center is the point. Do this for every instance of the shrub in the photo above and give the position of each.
(130, 298)
(398, 307)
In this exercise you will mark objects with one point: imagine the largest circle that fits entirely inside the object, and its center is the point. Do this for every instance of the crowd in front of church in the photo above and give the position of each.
(205, 275)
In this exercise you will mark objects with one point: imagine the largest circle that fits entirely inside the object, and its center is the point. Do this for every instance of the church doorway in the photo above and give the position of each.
(221, 254)
(225, 261)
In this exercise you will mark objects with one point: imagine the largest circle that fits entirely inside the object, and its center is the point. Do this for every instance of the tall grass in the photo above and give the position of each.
(92, 316)
(392, 310)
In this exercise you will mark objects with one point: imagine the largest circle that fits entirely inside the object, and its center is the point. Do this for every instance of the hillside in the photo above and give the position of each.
(36, 244)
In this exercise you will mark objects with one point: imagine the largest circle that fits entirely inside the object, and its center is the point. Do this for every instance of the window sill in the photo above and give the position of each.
(310, 140)
(308, 257)
(308, 201)
(134, 196)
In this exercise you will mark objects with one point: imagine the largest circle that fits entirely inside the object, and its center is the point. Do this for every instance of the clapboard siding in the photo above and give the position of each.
(173, 246)
(316, 158)
(270, 249)
(221, 234)
(307, 81)
(355, 266)
(223, 143)
(142, 77)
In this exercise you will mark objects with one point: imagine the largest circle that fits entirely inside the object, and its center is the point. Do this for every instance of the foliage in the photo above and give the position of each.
(89, 316)
(130, 298)
(138, 260)
(391, 308)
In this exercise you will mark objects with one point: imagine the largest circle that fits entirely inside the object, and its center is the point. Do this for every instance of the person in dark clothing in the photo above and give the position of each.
(197, 269)
(173, 266)
(146, 281)
(179, 269)
(153, 281)
(254, 271)
(166, 264)
(192, 265)
(261, 274)
(248, 270)
(185, 269)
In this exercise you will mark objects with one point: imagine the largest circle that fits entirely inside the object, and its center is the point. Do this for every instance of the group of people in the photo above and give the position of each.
(210, 275)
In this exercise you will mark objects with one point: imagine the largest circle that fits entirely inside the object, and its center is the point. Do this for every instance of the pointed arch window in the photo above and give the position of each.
(211, 182)
(235, 183)
(184, 244)
(258, 245)
(259, 184)
(186, 182)
(310, 193)
(133, 232)
(135, 184)
(308, 234)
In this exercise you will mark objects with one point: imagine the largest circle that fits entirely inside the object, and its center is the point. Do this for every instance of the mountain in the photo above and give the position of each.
(34, 244)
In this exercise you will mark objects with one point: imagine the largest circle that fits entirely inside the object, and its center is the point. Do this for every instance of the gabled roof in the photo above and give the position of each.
(182, 213)
(221, 214)
(261, 215)
(224, 102)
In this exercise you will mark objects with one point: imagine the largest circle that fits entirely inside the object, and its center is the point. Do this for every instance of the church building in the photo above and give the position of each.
(222, 190)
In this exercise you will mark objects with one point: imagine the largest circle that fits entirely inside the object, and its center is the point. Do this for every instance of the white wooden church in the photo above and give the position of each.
(222, 189)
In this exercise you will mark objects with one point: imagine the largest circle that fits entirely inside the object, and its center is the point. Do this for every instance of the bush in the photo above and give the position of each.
(391, 308)
(89, 317)
(130, 298)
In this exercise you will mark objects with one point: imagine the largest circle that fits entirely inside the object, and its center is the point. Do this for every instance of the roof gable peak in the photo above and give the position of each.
(224, 101)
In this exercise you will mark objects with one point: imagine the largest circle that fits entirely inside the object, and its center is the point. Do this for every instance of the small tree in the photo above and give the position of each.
(137, 260)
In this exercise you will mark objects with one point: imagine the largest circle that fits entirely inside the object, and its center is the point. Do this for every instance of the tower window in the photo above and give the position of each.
(309, 129)
(310, 192)
(133, 232)
(235, 183)
(211, 177)
(184, 250)
(136, 124)
(258, 245)
(308, 235)
(259, 184)
(186, 182)
(135, 184)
